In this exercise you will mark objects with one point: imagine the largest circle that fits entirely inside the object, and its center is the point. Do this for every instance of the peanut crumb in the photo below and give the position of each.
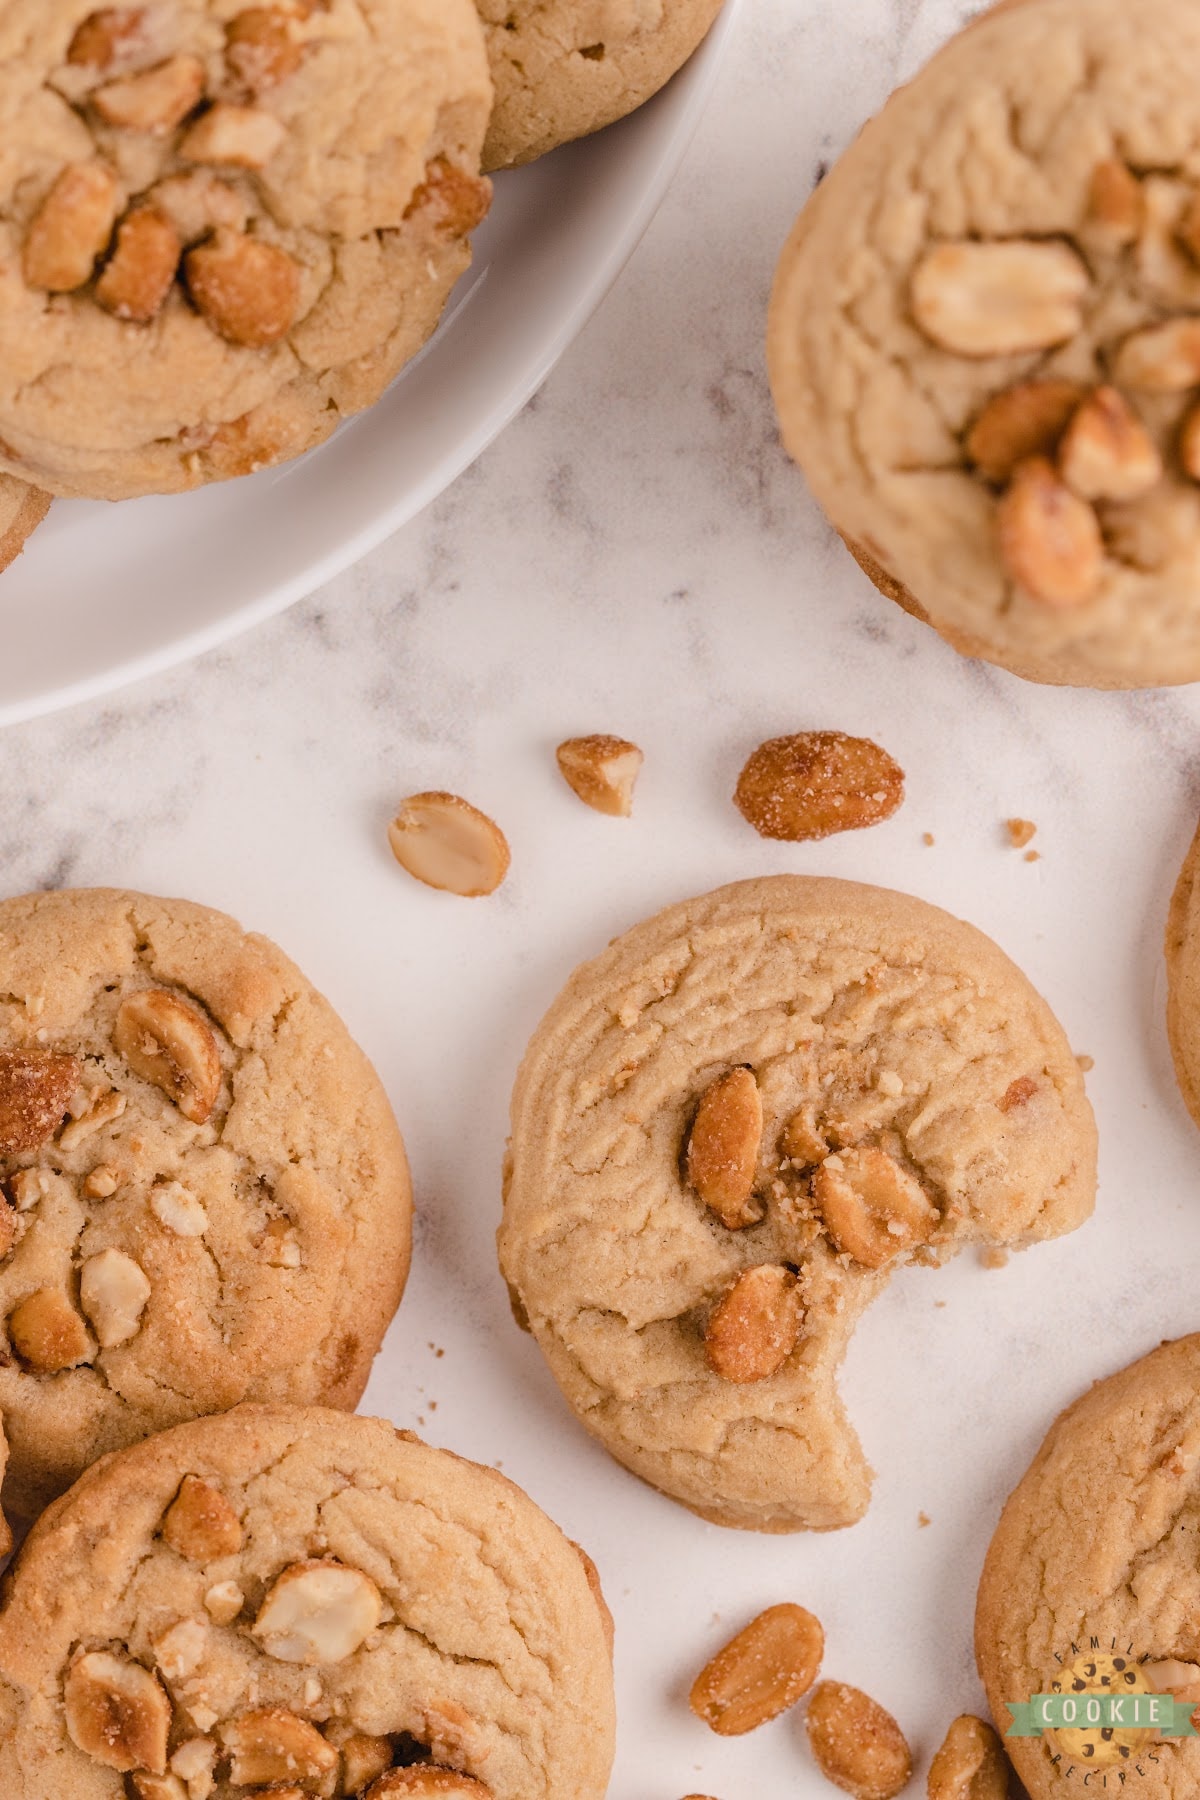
(923, 1519)
(1032, 856)
(928, 840)
(1021, 832)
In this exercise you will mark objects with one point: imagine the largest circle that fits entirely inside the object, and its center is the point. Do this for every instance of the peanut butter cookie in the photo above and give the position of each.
(565, 68)
(293, 1600)
(22, 510)
(984, 344)
(203, 1194)
(1091, 1582)
(729, 1130)
(223, 228)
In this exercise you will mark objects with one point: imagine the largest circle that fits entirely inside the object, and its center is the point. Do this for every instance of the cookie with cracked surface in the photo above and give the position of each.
(223, 227)
(983, 345)
(22, 510)
(203, 1193)
(291, 1596)
(565, 68)
(728, 1131)
(1095, 1551)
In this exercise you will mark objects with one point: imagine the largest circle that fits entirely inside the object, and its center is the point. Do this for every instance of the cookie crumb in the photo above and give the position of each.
(1086, 1063)
(1021, 832)
(923, 1519)
(993, 1258)
(1033, 856)
(928, 840)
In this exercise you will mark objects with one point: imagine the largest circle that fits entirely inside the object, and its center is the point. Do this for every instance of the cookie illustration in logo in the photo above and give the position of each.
(1101, 1746)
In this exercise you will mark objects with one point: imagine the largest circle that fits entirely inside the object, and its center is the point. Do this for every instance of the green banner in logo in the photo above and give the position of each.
(1101, 1711)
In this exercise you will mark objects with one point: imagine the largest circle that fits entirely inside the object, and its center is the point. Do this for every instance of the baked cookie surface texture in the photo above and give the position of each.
(565, 68)
(1091, 1579)
(205, 1195)
(303, 1602)
(223, 228)
(728, 1131)
(984, 345)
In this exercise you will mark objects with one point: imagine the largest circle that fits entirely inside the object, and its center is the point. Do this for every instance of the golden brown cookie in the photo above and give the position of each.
(297, 1601)
(223, 228)
(22, 510)
(1091, 1583)
(984, 350)
(565, 68)
(728, 1131)
(205, 1197)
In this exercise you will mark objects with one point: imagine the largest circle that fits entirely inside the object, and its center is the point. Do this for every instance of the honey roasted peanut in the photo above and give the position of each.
(319, 1613)
(36, 1087)
(602, 771)
(1050, 539)
(755, 1328)
(71, 229)
(872, 1208)
(817, 783)
(167, 1041)
(249, 291)
(857, 1745)
(274, 1745)
(971, 1764)
(723, 1147)
(445, 842)
(117, 1713)
(48, 1334)
(1000, 298)
(761, 1672)
(201, 1523)
(261, 48)
(141, 271)
(153, 100)
(240, 137)
(1022, 421)
(425, 1781)
(1107, 453)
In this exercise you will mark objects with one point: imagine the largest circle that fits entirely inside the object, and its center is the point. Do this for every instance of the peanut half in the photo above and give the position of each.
(602, 771)
(117, 1713)
(761, 1672)
(1162, 359)
(36, 1087)
(1107, 453)
(1050, 539)
(167, 1041)
(817, 783)
(71, 229)
(971, 1764)
(873, 1209)
(756, 1327)
(239, 137)
(272, 1745)
(141, 270)
(318, 1612)
(109, 38)
(48, 1334)
(113, 1292)
(427, 1779)
(999, 299)
(449, 844)
(154, 100)
(1022, 421)
(722, 1151)
(201, 1523)
(248, 291)
(261, 49)
(857, 1745)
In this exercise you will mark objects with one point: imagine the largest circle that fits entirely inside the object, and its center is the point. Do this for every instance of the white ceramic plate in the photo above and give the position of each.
(105, 594)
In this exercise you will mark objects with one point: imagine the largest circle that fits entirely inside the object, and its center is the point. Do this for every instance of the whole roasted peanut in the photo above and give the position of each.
(1107, 453)
(426, 1779)
(1022, 421)
(261, 49)
(36, 1087)
(872, 1208)
(761, 1672)
(756, 1327)
(999, 299)
(450, 200)
(168, 1041)
(154, 100)
(723, 1147)
(449, 844)
(1050, 539)
(857, 1745)
(817, 783)
(248, 291)
(117, 1713)
(141, 270)
(318, 1613)
(272, 1745)
(971, 1764)
(48, 1334)
(602, 771)
(201, 1523)
(71, 229)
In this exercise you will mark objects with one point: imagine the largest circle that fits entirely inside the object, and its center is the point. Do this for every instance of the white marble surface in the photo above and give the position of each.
(636, 555)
